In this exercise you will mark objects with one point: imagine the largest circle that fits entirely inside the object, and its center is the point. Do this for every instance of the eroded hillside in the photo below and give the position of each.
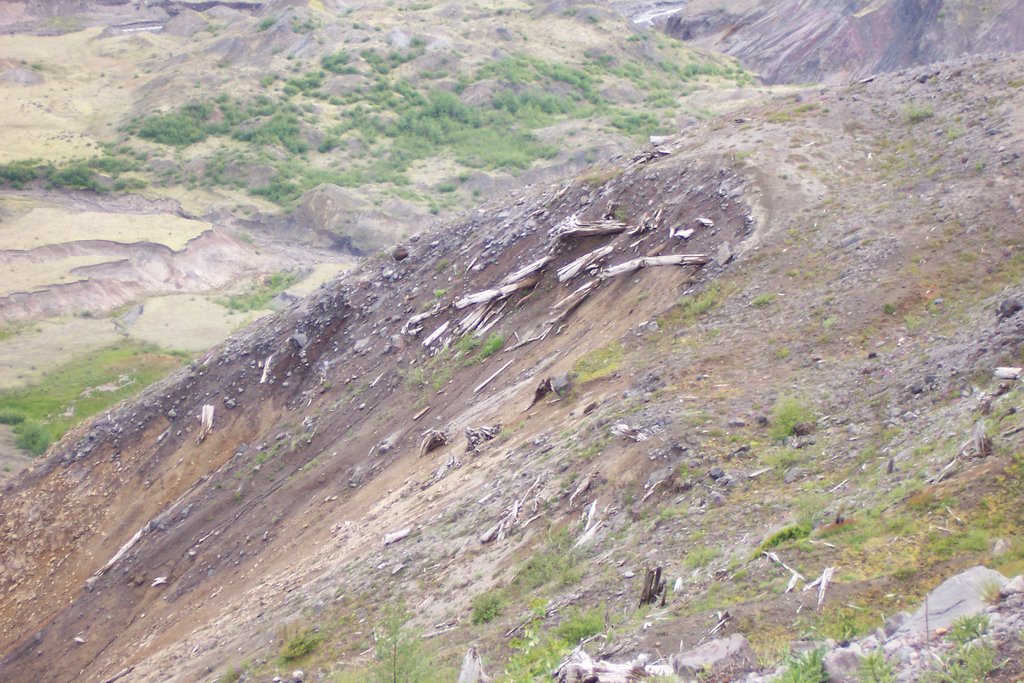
(808, 41)
(500, 425)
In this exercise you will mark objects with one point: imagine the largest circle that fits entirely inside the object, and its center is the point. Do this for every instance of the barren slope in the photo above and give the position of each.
(863, 238)
(800, 41)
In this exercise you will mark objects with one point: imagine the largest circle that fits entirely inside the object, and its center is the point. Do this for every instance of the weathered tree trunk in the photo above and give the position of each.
(473, 668)
(654, 588)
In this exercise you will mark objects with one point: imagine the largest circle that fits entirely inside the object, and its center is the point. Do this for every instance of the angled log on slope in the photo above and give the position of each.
(649, 261)
(489, 295)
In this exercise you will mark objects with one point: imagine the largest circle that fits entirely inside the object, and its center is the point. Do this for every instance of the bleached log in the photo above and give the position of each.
(594, 229)
(490, 379)
(822, 583)
(436, 334)
(648, 261)
(571, 270)
(795, 576)
(470, 322)
(396, 536)
(1008, 373)
(578, 667)
(567, 305)
(583, 486)
(685, 233)
(588, 535)
(266, 369)
(121, 553)
(472, 668)
(205, 422)
(489, 295)
(634, 433)
(412, 326)
(507, 522)
(528, 269)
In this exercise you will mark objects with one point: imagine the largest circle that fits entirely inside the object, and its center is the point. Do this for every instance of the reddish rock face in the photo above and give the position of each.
(798, 41)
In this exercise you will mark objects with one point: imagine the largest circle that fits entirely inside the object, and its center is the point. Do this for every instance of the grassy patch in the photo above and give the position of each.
(487, 606)
(298, 641)
(916, 113)
(789, 533)
(701, 557)
(789, 412)
(258, 296)
(43, 412)
(598, 363)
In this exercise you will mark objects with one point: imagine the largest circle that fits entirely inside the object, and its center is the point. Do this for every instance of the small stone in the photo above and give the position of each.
(628, 574)
(716, 473)
(399, 253)
(298, 676)
(842, 664)
(792, 474)
(999, 547)
(1015, 585)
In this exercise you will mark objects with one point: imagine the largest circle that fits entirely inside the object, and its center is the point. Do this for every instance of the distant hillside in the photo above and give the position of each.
(808, 41)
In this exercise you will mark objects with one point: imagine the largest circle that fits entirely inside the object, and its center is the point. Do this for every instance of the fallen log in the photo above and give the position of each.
(396, 536)
(567, 305)
(436, 334)
(490, 379)
(593, 229)
(489, 295)
(571, 270)
(649, 261)
(1008, 373)
(528, 269)
(578, 667)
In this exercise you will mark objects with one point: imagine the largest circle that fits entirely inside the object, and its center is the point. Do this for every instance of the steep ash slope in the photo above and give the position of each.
(859, 238)
(800, 41)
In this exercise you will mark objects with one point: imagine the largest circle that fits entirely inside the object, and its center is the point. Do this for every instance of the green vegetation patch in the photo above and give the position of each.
(598, 363)
(790, 412)
(43, 412)
(258, 296)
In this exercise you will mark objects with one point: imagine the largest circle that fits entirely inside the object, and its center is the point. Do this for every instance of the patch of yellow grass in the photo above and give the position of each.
(185, 322)
(322, 272)
(84, 94)
(28, 276)
(27, 356)
(48, 225)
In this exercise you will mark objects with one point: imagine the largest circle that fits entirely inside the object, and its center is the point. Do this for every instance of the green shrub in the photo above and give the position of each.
(266, 24)
(808, 667)
(967, 628)
(914, 113)
(338, 63)
(762, 300)
(875, 669)
(491, 346)
(788, 533)
(701, 557)
(579, 625)
(298, 641)
(966, 664)
(33, 437)
(487, 606)
(180, 129)
(789, 412)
